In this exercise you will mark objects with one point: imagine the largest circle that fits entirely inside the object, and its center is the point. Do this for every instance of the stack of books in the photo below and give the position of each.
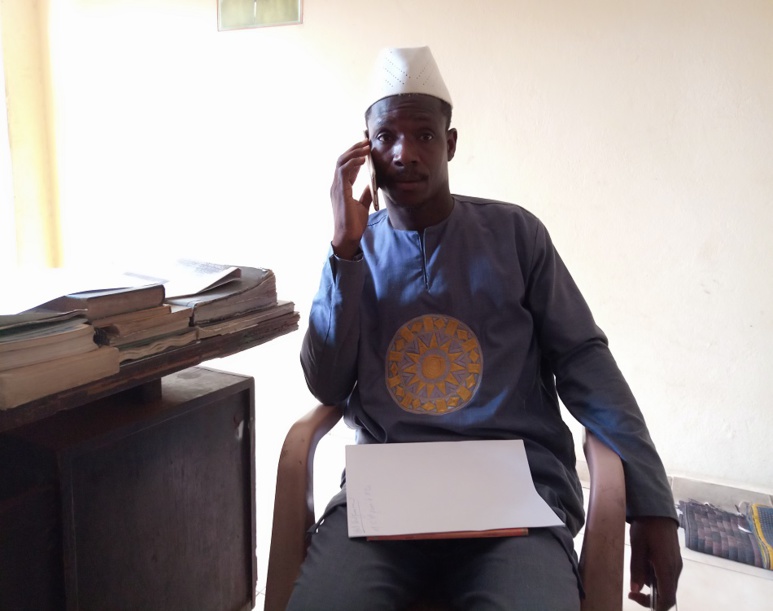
(45, 352)
(247, 299)
(223, 298)
(78, 337)
(146, 332)
(134, 320)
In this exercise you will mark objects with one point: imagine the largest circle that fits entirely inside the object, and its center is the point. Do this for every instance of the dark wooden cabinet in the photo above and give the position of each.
(139, 501)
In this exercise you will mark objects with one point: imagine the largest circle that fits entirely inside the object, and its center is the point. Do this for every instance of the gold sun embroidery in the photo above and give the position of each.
(434, 365)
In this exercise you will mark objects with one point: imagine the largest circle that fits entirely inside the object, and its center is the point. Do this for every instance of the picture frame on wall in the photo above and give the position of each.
(240, 14)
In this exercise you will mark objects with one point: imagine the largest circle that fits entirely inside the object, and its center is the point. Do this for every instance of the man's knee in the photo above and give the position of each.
(532, 572)
(340, 573)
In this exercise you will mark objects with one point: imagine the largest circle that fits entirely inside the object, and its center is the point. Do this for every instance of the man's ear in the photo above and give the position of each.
(451, 136)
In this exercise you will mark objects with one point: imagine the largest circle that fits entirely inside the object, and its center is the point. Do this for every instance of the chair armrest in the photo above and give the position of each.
(602, 557)
(294, 503)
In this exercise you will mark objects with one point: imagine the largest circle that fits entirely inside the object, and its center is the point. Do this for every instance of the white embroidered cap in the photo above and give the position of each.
(406, 70)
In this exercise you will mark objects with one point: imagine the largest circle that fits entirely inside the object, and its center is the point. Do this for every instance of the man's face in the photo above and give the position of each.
(411, 148)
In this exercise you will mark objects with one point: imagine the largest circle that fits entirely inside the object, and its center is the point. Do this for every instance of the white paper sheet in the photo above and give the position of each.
(184, 277)
(409, 488)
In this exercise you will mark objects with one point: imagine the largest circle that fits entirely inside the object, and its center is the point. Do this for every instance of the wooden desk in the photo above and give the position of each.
(148, 371)
(136, 492)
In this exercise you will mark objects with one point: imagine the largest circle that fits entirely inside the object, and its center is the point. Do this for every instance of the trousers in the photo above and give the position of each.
(529, 573)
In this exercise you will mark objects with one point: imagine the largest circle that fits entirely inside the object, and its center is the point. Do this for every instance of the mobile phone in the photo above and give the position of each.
(372, 173)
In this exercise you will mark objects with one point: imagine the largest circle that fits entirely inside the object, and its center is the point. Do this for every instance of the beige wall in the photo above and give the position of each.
(640, 132)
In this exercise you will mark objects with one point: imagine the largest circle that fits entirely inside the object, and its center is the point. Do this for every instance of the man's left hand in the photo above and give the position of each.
(655, 559)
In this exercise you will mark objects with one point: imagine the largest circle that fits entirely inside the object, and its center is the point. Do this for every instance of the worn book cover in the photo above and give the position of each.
(176, 317)
(101, 303)
(24, 384)
(42, 332)
(44, 342)
(35, 316)
(255, 289)
(157, 345)
(108, 337)
(135, 315)
(246, 320)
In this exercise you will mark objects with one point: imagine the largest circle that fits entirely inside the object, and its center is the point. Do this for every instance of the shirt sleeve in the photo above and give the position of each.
(590, 383)
(330, 345)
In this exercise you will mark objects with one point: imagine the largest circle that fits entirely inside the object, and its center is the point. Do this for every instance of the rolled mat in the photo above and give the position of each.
(760, 519)
(711, 530)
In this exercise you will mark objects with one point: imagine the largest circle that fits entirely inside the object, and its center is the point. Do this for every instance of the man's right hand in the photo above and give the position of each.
(350, 216)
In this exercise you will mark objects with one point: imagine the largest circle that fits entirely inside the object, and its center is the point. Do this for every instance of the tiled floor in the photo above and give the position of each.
(707, 583)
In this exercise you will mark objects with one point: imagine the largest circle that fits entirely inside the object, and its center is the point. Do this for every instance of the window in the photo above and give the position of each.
(7, 221)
